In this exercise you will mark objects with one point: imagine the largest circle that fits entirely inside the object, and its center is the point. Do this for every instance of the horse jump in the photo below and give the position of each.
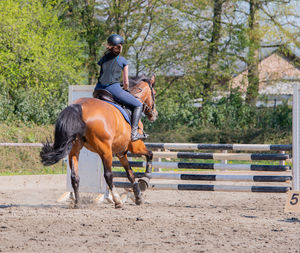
(204, 176)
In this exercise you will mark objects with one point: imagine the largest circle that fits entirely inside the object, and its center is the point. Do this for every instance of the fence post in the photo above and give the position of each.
(282, 162)
(224, 161)
(296, 138)
(158, 160)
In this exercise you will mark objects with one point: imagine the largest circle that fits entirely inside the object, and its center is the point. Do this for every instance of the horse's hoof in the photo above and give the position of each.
(119, 205)
(76, 206)
(139, 201)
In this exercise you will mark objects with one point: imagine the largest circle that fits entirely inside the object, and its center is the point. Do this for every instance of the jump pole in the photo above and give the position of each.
(207, 166)
(234, 147)
(218, 156)
(208, 187)
(209, 177)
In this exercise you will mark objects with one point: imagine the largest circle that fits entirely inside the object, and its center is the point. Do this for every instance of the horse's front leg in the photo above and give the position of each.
(107, 164)
(149, 157)
(139, 147)
(135, 186)
(73, 162)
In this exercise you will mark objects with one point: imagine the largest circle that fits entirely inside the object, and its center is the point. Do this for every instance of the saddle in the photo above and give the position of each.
(107, 96)
(104, 95)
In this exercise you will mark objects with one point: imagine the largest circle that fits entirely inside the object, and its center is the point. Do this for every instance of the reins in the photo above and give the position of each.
(145, 106)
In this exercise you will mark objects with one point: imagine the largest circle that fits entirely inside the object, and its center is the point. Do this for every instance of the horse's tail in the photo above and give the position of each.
(69, 126)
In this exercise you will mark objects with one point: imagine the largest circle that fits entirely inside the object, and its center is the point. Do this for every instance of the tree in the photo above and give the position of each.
(213, 47)
(270, 24)
(82, 16)
(253, 52)
(213, 37)
(96, 20)
(37, 56)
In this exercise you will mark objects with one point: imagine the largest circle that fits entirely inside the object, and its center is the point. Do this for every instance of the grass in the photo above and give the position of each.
(24, 160)
(42, 171)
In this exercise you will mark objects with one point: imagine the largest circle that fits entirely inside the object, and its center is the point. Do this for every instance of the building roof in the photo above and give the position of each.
(278, 72)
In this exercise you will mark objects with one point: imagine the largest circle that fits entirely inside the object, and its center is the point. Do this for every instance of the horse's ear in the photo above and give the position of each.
(152, 80)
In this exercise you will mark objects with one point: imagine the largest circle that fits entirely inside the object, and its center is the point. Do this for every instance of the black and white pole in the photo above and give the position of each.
(236, 147)
(206, 166)
(208, 187)
(209, 177)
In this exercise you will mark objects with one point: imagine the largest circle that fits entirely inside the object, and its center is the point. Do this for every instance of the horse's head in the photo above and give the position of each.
(143, 89)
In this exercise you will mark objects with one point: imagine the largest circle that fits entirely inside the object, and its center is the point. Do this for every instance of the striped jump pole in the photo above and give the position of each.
(191, 146)
(218, 156)
(206, 187)
(237, 147)
(177, 176)
(207, 166)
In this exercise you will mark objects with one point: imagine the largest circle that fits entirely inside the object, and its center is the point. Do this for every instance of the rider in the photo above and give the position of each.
(112, 65)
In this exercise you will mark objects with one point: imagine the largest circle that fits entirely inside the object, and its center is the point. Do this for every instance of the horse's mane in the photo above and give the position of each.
(133, 81)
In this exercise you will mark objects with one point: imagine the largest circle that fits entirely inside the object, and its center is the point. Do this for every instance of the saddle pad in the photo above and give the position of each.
(124, 113)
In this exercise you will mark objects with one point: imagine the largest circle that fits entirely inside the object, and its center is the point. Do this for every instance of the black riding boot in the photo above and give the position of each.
(136, 116)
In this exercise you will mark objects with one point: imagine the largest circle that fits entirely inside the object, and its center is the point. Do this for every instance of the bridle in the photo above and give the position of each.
(146, 107)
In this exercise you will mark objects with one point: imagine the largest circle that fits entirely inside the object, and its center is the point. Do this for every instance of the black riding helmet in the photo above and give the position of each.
(115, 39)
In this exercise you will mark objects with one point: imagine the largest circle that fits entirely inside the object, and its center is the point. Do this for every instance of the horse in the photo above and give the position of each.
(101, 128)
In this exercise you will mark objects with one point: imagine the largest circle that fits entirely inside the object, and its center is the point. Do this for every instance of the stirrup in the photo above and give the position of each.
(138, 136)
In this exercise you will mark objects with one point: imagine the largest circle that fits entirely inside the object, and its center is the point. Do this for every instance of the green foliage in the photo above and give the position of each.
(44, 45)
(276, 118)
(32, 106)
(6, 106)
(230, 112)
(226, 119)
(39, 59)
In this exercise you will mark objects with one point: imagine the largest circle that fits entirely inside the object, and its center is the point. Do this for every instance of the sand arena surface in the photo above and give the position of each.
(171, 221)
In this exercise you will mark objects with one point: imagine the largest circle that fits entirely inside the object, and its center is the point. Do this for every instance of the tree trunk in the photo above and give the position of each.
(91, 35)
(213, 47)
(92, 64)
(253, 55)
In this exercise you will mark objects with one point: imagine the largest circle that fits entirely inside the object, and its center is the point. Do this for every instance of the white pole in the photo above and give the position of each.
(296, 142)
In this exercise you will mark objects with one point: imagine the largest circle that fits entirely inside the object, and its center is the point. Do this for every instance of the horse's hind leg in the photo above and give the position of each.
(135, 186)
(107, 164)
(73, 162)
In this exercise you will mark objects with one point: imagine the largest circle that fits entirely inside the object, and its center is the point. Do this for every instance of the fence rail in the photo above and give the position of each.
(6, 144)
(235, 147)
(190, 146)
(257, 178)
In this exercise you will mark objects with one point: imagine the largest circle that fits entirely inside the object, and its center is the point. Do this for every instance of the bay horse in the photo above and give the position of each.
(101, 128)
